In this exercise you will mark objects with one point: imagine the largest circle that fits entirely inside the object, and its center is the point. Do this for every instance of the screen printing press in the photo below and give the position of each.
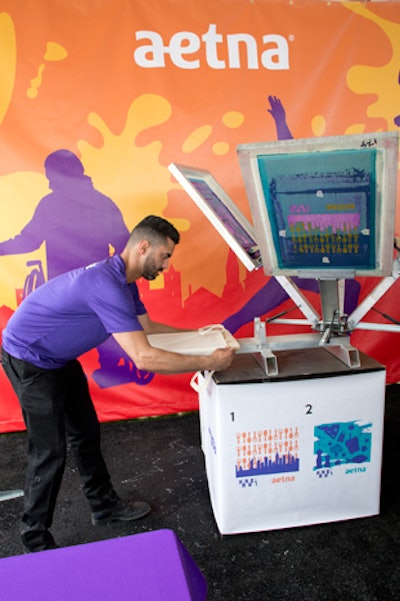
(292, 432)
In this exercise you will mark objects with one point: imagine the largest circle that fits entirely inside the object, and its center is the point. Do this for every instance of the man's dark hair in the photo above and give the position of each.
(155, 229)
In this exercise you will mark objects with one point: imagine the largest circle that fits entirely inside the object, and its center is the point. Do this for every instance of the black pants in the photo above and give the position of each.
(56, 405)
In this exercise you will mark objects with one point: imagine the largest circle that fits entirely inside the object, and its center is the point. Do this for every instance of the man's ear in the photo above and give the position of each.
(143, 246)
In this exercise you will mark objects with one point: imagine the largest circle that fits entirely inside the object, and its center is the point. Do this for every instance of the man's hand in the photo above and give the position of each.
(148, 358)
(221, 358)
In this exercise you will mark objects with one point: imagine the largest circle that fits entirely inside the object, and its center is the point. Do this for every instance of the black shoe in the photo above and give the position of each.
(45, 543)
(120, 512)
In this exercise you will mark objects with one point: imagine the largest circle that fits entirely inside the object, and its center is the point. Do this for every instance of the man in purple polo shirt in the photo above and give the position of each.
(54, 325)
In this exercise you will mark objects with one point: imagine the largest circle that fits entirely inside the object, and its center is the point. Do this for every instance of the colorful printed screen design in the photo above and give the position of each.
(321, 207)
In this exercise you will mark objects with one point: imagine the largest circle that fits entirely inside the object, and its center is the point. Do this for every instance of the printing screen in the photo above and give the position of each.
(321, 208)
(221, 211)
(227, 218)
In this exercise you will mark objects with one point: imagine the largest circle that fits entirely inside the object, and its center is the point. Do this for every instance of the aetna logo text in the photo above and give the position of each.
(185, 49)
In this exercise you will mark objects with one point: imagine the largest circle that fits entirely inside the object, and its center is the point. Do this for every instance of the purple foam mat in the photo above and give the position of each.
(144, 567)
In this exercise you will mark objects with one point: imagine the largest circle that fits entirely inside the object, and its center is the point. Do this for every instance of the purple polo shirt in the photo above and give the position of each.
(73, 313)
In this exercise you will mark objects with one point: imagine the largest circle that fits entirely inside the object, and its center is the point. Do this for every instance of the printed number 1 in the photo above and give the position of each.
(308, 409)
(233, 416)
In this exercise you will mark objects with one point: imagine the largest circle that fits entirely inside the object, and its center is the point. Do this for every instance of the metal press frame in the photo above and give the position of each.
(332, 328)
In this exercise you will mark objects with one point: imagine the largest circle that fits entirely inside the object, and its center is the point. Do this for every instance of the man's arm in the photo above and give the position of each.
(153, 327)
(149, 358)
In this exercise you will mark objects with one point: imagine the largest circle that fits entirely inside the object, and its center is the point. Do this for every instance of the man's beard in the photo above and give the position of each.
(150, 269)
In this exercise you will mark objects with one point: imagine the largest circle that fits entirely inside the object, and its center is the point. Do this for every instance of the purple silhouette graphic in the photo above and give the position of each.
(116, 367)
(278, 114)
(76, 222)
(79, 226)
(272, 294)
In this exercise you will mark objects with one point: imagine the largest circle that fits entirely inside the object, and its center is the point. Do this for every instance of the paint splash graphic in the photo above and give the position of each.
(8, 62)
(381, 82)
(121, 159)
(231, 119)
(54, 52)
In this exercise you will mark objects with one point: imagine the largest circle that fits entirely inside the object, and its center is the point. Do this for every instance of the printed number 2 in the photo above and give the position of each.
(308, 409)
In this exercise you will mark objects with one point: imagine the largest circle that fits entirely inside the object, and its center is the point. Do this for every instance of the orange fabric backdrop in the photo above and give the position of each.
(130, 86)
